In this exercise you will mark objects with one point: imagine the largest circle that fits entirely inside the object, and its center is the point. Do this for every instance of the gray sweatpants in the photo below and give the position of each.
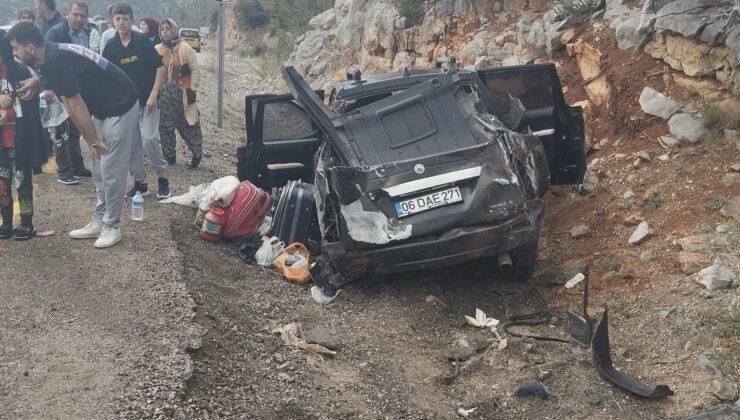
(149, 143)
(110, 170)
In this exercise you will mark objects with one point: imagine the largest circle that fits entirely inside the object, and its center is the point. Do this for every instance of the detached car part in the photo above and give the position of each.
(603, 363)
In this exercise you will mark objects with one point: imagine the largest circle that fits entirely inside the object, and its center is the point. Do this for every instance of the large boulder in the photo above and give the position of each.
(628, 34)
(682, 17)
(655, 103)
(686, 128)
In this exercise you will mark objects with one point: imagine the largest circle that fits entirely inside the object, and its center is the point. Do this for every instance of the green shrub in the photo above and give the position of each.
(250, 14)
(653, 203)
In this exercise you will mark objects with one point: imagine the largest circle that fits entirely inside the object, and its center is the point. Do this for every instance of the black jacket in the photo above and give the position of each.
(30, 136)
(46, 25)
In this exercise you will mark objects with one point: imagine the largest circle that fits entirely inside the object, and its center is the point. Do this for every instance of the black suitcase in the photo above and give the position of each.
(294, 212)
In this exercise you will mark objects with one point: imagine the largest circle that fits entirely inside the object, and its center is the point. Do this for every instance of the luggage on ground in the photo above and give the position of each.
(246, 211)
(294, 212)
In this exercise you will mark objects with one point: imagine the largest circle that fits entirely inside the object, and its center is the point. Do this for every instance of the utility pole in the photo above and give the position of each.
(221, 30)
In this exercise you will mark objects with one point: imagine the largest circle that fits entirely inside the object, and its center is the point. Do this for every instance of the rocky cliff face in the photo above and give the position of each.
(691, 36)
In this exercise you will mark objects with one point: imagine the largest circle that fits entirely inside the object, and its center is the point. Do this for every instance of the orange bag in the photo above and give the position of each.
(295, 254)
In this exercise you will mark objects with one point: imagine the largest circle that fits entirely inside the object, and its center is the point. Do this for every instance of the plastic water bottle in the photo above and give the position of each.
(137, 207)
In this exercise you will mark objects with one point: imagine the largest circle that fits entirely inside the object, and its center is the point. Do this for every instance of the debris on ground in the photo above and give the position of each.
(292, 335)
(531, 390)
(603, 362)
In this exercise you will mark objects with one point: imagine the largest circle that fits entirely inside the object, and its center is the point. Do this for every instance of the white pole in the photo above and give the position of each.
(221, 30)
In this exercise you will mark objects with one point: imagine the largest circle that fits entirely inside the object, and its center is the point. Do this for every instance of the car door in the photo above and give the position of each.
(281, 142)
(530, 97)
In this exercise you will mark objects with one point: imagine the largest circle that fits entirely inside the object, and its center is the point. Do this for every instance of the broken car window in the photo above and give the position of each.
(285, 121)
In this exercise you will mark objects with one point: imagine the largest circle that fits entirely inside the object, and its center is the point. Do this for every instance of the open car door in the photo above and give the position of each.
(281, 142)
(531, 97)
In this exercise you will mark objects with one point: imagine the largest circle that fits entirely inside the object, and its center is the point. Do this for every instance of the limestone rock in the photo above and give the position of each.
(692, 262)
(712, 363)
(669, 142)
(723, 389)
(693, 243)
(640, 234)
(655, 103)
(686, 128)
(732, 209)
(579, 231)
(717, 276)
(323, 21)
(730, 179)
(680, 16)
(628, 35)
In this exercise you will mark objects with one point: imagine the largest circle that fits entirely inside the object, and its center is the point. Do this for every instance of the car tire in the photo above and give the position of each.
(523, 260)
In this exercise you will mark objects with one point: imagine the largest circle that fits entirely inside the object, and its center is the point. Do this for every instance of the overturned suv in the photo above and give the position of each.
(421, 169)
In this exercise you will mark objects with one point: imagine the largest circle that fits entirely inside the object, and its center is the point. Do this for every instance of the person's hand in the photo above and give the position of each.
(6, 101)
(151, 103)
(28, 88)
(98, 150)
(49, 96)
(3, 117)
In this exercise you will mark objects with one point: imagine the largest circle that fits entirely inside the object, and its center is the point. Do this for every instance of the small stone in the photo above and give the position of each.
(636, 162)
(655, 103)
(669, 142)
(644, 155)
(723, 228)
(731, 135)
(735, 167)
(628, 194)
(574, 281)
(593, 397)
(285, 377)
(535, 358)
(692, 243)
(579, 231)
(320, 335)
(640, 234)
(633, 220)
(732, 209)
(543, 375)
(717, 276)
(712, 363)
(502, 344)
(730, 179)
(663, 157)
(647, 256)
(724, 390)
(692, 262)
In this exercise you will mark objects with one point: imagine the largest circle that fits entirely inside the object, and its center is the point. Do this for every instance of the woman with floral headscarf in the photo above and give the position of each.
(177, 95)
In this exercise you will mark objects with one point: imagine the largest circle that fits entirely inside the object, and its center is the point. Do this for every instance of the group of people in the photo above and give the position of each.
(125, 91)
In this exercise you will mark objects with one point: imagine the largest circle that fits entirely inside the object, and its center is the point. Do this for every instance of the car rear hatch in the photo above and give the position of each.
(417, 163)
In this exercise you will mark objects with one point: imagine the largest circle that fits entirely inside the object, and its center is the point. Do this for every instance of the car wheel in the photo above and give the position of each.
(523, 260)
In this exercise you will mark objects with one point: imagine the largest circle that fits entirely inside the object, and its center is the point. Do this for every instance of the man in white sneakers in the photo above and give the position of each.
(103, 103)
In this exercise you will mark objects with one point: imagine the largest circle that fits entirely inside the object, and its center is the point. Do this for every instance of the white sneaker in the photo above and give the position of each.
(91, 231)
(108, 237)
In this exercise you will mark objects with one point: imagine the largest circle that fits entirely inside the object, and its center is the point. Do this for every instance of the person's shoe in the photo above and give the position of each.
(91, 231)
(141, 187)
(24, 232)
(172, 160)
(67, 178)
(83, 173)
(194, 163)
(6, 231)
(108, 237)
(164, 188)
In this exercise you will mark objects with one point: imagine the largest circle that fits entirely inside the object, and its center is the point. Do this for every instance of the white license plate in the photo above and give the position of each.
(427, 202)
